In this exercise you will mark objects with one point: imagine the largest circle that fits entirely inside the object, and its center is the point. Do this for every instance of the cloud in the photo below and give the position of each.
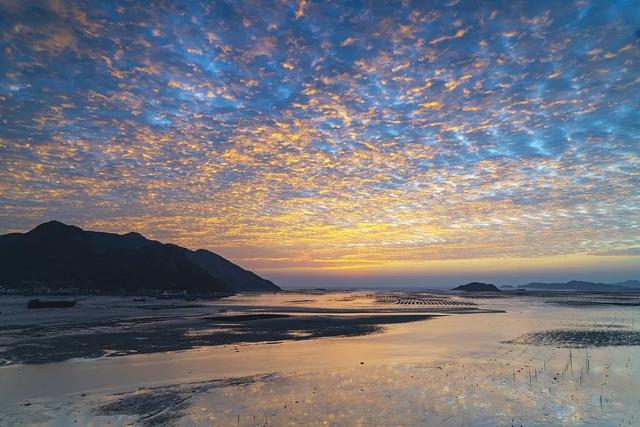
(348, 41)
(456, 133)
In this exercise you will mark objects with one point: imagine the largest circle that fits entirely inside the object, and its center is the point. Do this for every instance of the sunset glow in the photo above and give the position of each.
(339, 139)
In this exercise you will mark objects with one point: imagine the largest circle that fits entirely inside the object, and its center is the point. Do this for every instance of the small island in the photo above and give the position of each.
(477, 287)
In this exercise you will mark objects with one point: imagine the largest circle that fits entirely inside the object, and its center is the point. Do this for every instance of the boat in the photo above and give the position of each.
(172, 295)
(36, 303)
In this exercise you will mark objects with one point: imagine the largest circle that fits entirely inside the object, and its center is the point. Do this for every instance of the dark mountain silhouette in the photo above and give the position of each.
(58, 255)
(579, 285)
(477, 287)
(634, 284)
(223, 269)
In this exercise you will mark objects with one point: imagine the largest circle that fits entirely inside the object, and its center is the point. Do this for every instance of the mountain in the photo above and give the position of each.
(58, 255)
(633, 284)
(223, 269)
(579, 285)
(477, 287)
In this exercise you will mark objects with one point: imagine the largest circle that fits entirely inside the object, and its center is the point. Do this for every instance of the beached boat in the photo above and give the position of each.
(36, 303)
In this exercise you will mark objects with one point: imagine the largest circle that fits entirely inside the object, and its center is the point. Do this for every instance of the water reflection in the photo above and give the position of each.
(461, 369)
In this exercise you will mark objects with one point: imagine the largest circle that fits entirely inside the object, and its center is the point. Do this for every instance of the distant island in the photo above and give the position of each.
(477, 287)
(56, 256)
(578, 285)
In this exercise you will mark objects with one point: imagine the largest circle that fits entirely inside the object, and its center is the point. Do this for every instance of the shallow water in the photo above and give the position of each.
(457, 369)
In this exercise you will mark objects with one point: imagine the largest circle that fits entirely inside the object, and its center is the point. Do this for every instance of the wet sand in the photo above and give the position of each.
(576, 338)
(520, 360)
(113, 327)
(157, 335)
(166, 404)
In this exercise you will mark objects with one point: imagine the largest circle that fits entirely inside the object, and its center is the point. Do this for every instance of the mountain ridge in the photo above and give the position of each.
(583, 285)
(54, 254)
(477, 287)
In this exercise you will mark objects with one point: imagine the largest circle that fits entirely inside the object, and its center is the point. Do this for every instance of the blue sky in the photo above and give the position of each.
(331, 139)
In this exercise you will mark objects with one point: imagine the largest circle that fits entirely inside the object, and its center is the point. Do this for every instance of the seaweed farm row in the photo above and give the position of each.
(430, 300)
(596, 300)
(408, 299)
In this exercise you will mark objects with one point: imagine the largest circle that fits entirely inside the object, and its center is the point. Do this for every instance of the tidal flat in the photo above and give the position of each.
(323, 358)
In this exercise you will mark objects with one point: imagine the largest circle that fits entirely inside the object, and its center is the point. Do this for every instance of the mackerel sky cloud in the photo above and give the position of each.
(329, 136)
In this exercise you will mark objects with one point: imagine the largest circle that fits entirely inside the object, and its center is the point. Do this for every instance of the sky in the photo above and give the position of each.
(413, 143)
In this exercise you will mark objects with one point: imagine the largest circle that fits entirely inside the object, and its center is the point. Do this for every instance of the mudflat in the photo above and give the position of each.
(316, 357)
